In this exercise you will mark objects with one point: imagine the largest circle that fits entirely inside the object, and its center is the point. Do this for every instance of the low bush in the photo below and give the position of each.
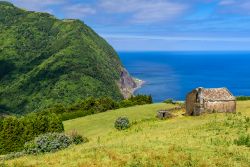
(49, 142)
(77, 139)
(244, 139)
(122, 123)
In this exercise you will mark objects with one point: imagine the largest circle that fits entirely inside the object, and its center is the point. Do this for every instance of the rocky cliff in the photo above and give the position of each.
(128, 84)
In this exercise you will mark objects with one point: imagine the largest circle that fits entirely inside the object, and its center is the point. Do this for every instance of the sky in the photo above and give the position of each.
(158, 25)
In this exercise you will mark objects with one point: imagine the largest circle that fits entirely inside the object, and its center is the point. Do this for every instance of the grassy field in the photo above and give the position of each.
(204, 141)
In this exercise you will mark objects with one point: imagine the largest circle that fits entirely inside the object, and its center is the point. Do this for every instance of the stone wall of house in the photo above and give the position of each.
(191, 102)
(220, 106)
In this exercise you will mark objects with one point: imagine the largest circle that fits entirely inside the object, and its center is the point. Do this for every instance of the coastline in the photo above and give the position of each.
(139, 83)
(128, 84)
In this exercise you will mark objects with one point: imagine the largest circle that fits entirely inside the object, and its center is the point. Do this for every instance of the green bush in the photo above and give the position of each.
(77, 139)
(49, 142)
(126, 103)
(122, 123)
(244, 139)
(136, 100)
(14, 132)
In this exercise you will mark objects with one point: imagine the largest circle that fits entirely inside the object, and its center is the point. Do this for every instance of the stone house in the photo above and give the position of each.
(202, 100)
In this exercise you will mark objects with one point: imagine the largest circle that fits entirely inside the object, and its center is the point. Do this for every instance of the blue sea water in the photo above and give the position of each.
(174, 74)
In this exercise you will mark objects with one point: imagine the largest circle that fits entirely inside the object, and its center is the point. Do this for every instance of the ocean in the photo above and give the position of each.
(174, 74)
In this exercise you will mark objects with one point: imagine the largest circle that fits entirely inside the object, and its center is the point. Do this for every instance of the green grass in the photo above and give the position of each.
(207, 140)
(101, 124)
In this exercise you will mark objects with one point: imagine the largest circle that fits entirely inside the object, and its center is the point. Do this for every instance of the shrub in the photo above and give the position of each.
(141, 99)
(77, 139)
(49, 142)
(14, 132)
(136, 100)
(244, 139)
(126, 103)
(122, 123)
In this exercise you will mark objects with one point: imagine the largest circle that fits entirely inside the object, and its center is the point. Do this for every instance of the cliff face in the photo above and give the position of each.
(46, 61)
(128, 84)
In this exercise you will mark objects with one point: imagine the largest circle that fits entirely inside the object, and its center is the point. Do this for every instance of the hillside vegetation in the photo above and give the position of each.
(208, 140)
(46, 61)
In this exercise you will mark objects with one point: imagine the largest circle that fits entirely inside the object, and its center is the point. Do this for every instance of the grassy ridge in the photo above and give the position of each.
(46, 61)
(206, 140)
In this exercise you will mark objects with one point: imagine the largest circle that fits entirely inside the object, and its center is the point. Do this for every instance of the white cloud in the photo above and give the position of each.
(132, 11)
(78, 11)
(235, 6)
(68, 8)
(144, 11)
(37, 5)
(226, 2)
(178, 38)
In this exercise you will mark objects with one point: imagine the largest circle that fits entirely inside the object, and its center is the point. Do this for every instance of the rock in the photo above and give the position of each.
(128, 84)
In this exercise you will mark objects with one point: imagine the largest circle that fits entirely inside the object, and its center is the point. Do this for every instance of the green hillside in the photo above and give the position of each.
(44, 61)
(205, 141)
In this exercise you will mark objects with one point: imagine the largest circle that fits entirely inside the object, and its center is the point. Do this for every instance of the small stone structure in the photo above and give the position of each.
(164, 114)
(202, 100)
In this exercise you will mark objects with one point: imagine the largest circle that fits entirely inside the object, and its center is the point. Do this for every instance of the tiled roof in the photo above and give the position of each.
(216, 94)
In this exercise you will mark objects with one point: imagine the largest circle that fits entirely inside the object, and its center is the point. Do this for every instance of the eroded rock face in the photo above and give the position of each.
(128, 84)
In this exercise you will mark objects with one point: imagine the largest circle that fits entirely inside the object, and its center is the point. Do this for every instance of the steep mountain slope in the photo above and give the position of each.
(44, 61)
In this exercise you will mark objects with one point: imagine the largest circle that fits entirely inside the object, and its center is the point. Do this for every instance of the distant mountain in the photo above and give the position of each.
(45, 61)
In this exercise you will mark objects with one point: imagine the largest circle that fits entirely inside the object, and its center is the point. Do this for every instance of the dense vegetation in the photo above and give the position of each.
(243, 98)
(15, 132)
(92, 106)
(46, 61)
